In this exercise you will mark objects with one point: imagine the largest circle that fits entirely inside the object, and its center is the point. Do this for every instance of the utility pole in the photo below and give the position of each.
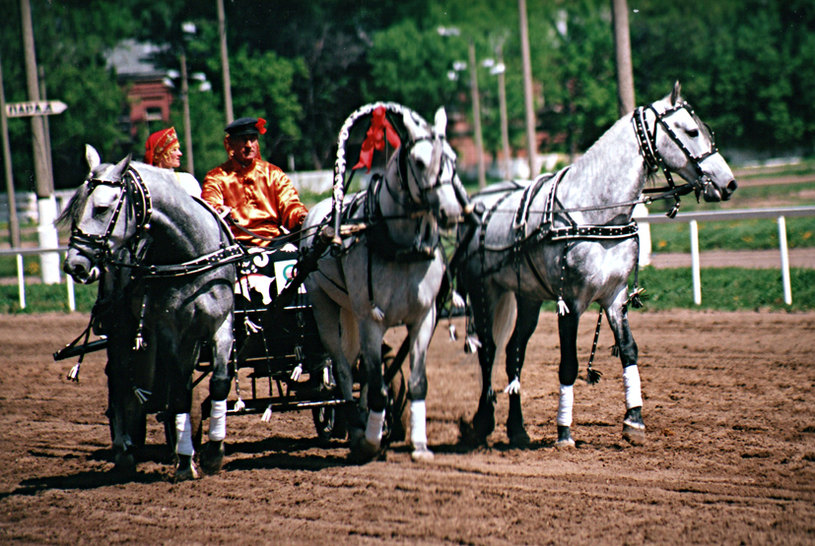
(531, 140)
(13, 221)
(185, 102)
(46, 203)
(625, 95)
(622, 46)
(479, 141)
(502, 104)
(230, 117)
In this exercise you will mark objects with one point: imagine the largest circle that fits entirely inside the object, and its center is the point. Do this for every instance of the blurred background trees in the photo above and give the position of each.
(746, 66)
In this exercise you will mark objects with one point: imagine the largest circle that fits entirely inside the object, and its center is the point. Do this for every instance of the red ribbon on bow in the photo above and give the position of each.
(260, 125)
(380, 129)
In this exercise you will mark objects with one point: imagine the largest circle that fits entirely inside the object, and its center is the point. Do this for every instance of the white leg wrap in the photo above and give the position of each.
(373, 431)
(633, 391)
(183, 432)
(565, 406)
(217, 421)
(418, 430)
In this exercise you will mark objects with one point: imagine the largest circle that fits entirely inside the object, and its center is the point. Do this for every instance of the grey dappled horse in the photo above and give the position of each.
(136, 229)
(570, 237)
(388, 274)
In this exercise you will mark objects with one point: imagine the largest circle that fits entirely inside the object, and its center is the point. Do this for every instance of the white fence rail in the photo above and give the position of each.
(18, 253)
(780, 214)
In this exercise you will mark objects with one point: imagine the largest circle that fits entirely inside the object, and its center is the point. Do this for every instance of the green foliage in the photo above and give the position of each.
(746, 66)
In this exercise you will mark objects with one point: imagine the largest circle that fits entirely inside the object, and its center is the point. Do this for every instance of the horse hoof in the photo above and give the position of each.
(125, 464)
(366, 451)
(633, 427)
(421, 454)
(212, 457)
(519, 439)
(186, 469)
(564, 438)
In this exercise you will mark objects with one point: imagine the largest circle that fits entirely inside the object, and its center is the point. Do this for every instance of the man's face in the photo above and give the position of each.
(245, 148)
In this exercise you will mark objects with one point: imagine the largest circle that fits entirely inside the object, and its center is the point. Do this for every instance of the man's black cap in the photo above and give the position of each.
(243, 127)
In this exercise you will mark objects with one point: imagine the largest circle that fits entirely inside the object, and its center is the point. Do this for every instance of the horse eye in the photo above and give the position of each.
(99, 210)
(693, 133)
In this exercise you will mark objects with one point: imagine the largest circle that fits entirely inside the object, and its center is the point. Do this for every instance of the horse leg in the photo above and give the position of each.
(421, 333)
(212, 454)
(179, 405)
(339, 335)
(567, 374)
(126, 411)
(371, 335)
(525, 323)
(633, 426)
(484, 419)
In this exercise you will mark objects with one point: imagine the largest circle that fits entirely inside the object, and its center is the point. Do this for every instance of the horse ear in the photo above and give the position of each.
(675, 93)
(440, 122)
(92, 157)
(120, 168)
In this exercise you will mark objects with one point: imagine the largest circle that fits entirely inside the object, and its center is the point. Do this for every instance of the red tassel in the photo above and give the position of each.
(379, 130)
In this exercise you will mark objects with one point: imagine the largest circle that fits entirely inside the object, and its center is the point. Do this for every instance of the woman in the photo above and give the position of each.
(163, 150)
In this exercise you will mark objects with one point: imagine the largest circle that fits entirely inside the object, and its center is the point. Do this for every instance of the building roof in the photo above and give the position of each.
(135, 60)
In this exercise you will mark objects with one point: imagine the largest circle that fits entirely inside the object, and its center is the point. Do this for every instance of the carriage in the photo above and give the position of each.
(272, 328)
(373, 260)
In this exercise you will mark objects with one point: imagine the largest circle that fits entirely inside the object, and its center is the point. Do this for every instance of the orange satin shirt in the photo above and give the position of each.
(261, 196)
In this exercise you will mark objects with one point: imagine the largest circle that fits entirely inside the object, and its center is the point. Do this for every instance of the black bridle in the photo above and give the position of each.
(96, 247)
(654, 160)
(407, 170)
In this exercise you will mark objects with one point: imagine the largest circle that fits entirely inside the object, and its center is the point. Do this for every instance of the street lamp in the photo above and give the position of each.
(479, 145)
(499, 69)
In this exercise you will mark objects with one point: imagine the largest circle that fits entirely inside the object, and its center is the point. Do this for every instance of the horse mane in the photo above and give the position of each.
(74, 207)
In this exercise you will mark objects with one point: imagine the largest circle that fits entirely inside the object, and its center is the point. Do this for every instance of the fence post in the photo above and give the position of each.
(695, 266)
(21, 280)
(785, 260)
(69, 283)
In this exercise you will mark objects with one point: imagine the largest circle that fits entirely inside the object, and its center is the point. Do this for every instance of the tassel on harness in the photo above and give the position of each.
(593, 376)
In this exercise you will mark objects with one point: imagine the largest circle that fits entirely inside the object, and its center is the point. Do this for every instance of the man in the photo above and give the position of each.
(163, 150)
(261, 198)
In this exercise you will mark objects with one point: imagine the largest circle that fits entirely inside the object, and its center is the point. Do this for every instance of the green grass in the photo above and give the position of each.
(41, 298)
(727, 289)
(757, 234)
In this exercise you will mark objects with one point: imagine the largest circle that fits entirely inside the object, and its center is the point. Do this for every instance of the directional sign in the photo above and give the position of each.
(35, 108)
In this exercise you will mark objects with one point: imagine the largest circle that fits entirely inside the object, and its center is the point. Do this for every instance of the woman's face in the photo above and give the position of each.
(172, 159)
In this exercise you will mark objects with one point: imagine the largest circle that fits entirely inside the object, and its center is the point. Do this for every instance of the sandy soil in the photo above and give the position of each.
(730, 457)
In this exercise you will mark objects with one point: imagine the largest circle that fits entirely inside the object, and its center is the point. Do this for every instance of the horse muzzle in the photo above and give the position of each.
(713, 192)
(81, 269)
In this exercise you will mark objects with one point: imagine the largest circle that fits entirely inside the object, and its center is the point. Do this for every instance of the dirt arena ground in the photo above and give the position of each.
(730, 457)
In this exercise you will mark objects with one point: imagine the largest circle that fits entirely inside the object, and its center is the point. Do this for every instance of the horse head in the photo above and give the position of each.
(102, 217)
(429, 164)
(683, 144)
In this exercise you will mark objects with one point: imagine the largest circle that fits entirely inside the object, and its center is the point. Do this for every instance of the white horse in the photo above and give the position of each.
(387, 274)
(172, 257)
(570, 237)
